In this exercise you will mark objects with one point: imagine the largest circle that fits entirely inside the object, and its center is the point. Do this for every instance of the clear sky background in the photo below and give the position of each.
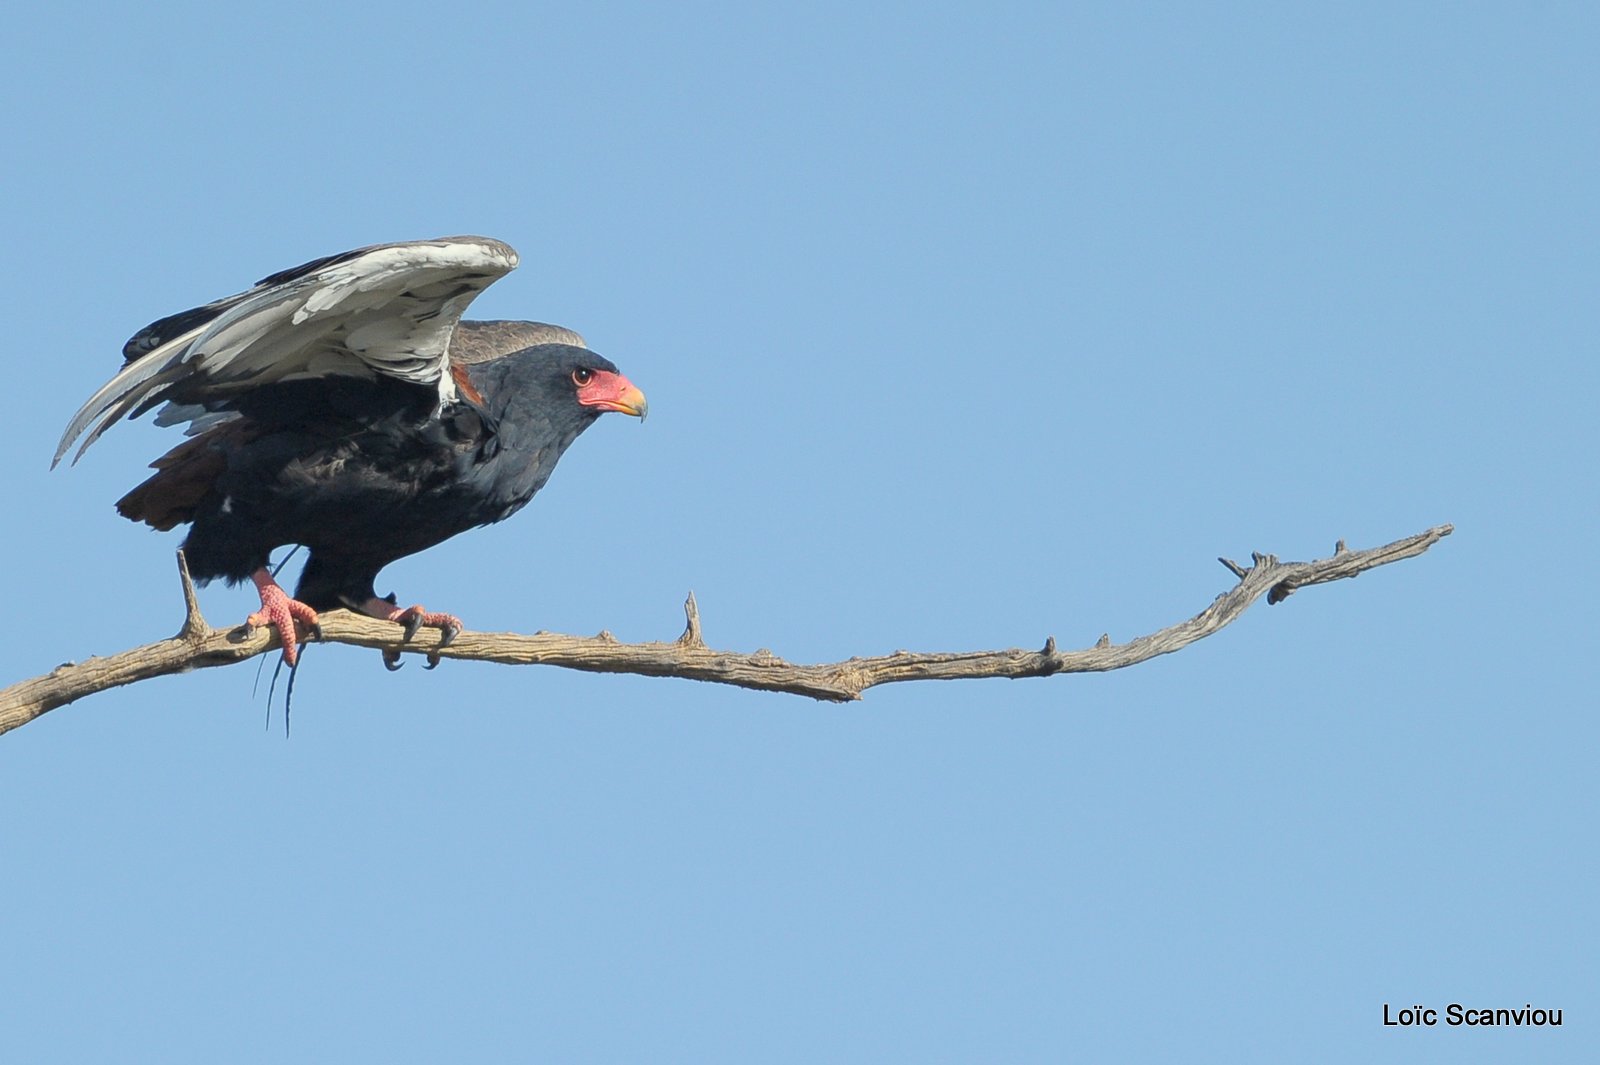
(961, 327)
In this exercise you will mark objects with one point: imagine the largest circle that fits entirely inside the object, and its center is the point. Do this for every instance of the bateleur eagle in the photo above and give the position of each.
(344, 406)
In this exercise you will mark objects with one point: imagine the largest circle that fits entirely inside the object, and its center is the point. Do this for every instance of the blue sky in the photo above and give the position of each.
(960, 327)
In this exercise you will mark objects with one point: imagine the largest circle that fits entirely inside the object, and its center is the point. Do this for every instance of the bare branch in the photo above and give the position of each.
(198, 645)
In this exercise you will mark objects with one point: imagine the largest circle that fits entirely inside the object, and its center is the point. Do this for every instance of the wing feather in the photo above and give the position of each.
(384, 311)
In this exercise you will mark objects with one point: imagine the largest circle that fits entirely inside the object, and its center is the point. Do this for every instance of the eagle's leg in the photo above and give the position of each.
(413, 618)
(281, 612)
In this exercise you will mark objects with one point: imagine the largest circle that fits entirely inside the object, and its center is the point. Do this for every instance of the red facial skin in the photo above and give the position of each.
(609, 391)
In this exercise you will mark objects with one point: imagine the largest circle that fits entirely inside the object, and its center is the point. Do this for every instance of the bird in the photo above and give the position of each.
(343, 405)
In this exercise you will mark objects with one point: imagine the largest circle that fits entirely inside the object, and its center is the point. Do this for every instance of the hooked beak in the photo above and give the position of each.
(612, 391)
(631, 401)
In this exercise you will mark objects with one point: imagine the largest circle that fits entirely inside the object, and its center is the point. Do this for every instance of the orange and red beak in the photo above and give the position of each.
(612, 391)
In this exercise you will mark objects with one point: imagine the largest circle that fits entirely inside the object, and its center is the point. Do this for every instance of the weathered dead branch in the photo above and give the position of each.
(197, 645)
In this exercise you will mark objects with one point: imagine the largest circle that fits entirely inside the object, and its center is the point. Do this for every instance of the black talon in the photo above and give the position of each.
(412, 624)
(448, 634)
(433, 661)
(391, 661)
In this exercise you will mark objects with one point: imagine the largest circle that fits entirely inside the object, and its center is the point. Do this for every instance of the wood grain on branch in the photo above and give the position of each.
(197, 645)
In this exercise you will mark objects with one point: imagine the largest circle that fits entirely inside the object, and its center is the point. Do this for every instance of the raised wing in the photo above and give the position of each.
(384, 311)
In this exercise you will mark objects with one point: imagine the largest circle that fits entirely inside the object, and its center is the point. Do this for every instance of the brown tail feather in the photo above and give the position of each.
(184, 476)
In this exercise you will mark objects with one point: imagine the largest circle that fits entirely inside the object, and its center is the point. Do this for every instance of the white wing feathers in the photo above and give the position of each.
(388, 310)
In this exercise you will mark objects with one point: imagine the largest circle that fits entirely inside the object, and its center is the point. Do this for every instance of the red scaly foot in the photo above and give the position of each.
(281, 612)
(413, 618)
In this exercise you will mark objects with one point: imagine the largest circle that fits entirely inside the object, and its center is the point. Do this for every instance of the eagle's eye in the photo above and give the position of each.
(582, 377)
